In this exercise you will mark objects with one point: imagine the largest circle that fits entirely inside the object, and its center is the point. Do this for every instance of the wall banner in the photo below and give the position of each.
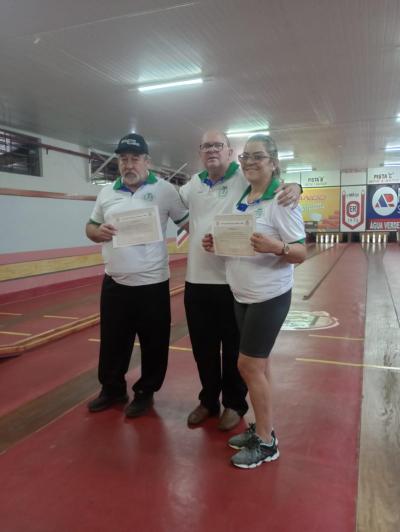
(352, 208)
(321, 209)
(383, 207)
(383, 175)
(320, 179)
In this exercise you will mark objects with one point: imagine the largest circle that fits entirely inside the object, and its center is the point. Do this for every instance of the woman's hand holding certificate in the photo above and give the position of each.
(232, 233)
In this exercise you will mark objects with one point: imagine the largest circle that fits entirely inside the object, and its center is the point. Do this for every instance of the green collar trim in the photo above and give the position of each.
(267, 195)
(118, 184)
(150, 180)
(232, 168)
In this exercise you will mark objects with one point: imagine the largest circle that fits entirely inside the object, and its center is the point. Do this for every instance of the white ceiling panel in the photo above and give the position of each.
(324, 75)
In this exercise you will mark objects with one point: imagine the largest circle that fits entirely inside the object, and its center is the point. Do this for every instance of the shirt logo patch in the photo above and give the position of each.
(223, 191)
(148, 196)
(259, 212)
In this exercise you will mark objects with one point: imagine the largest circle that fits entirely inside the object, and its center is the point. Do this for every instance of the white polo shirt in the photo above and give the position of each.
(265, 276)
(204, 200)
(145, 263)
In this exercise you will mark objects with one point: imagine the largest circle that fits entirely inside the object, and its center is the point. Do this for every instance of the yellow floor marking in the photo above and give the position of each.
(61, 317)
(138, 345)
(9, 314)
(352, 364)
(16, 333)
(336, 337)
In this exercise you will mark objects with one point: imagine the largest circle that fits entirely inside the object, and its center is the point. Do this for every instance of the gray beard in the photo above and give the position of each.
(133, 179)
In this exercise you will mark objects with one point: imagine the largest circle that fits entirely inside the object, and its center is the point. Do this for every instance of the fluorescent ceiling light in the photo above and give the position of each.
(398, 118)
(293, 169)
(167, 85)
(391, 163)
(238, 134)
(285, 155)
(392, 148)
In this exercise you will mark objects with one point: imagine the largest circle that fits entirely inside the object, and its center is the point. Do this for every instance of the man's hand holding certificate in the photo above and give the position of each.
(138, 226)
(232, 234)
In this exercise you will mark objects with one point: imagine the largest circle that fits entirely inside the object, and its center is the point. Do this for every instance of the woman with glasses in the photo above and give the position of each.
(261, 285)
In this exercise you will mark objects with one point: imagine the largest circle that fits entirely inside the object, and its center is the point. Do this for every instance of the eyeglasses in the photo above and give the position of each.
(217, 146)
(257, 157)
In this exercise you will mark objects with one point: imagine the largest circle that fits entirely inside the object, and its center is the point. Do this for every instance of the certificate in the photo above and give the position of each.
(138, 226)
(231, 233)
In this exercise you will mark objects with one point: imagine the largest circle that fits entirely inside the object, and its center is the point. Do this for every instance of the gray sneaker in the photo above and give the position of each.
(255, 453)
(241, 440)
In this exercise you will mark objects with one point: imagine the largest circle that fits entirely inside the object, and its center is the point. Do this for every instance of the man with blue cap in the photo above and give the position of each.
(135, 292)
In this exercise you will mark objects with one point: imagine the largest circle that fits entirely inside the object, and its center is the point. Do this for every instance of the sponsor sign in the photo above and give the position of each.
(383, 175)
(320, 179)
(352, 208)
(383, 207)
(321, 209)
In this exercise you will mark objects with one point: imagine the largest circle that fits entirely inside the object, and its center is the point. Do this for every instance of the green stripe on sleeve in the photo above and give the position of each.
(181, 220)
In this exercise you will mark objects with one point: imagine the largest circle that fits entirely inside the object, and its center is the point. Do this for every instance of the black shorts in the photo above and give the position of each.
(259, 324)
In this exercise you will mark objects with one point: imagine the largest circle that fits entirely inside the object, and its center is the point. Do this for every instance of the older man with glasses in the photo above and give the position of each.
(208, 298)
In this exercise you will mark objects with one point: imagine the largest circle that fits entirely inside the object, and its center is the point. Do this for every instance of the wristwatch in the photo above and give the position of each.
(285, 249)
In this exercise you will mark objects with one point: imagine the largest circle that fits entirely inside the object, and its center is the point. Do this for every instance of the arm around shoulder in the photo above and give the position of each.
(289, 194)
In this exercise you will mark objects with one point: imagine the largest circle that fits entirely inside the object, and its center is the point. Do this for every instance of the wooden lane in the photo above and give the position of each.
(49, 335)
(391, 262)
(46, 328)
(379, 465)
(313, 272)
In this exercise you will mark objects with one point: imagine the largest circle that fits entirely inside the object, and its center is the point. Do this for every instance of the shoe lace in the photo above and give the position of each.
(254, 442)
(251, 429)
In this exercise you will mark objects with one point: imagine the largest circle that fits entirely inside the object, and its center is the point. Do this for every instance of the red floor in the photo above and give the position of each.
(59, 361)
(102, 472)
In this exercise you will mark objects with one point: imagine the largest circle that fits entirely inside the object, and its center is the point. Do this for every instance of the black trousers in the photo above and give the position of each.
(215, 343)
(127, 311)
